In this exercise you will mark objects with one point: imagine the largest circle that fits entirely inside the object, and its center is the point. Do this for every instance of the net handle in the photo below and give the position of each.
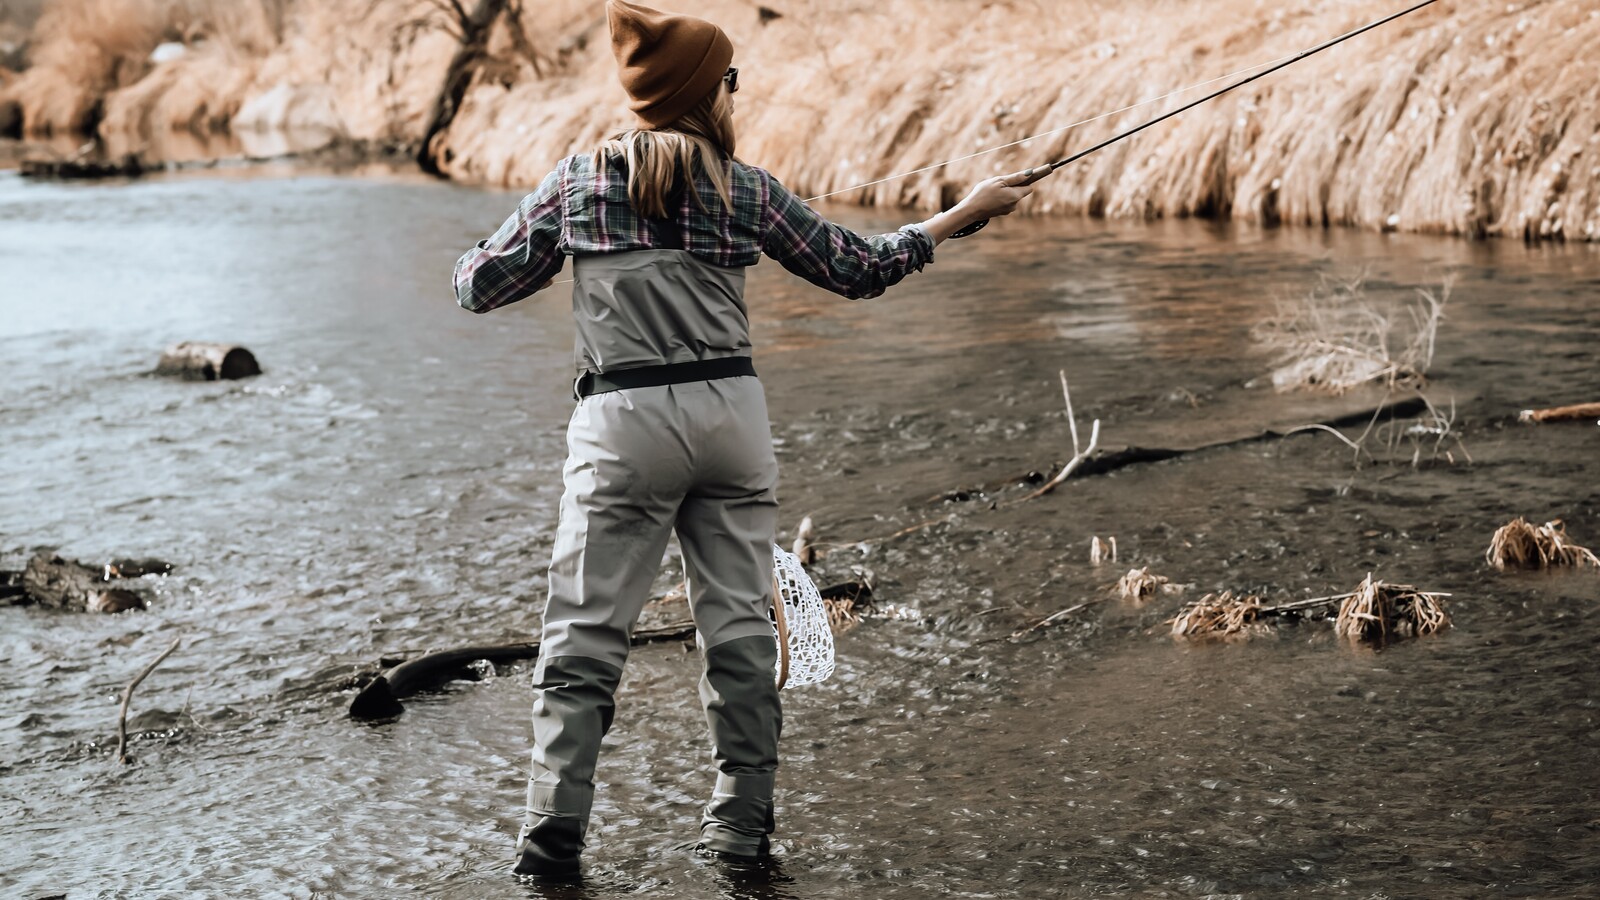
(783, 631)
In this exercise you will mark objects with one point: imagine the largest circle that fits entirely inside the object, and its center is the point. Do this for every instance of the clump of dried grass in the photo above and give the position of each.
(847, 602)
(85, 50)
(1377, 611)
(1520, 545)
(1141, 584)
(1220, 615)
(1336, 338)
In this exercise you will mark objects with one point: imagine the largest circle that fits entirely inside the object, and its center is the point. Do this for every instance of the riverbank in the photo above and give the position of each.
(1462, 119)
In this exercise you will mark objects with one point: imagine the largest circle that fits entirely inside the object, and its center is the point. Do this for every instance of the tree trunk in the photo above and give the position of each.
(457, 78)
(194, 361)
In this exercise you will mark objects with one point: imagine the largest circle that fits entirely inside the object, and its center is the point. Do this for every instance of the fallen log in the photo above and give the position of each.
(380, 698)
(58, 583)
(197, 361)
(1109, 460)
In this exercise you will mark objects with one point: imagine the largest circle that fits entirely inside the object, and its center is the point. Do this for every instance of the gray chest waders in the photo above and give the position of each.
(695, 457)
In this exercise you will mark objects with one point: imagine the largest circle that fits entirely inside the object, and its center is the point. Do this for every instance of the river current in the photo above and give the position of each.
(389, 486)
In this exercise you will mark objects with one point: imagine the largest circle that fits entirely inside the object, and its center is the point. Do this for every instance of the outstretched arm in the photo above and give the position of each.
(990, 199)
(519, 259)
(837, 259)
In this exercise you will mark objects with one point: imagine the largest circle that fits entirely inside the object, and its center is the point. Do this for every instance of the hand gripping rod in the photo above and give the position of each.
(975, 227)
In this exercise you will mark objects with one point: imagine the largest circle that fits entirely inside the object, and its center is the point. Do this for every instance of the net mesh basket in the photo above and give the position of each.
(805, 641)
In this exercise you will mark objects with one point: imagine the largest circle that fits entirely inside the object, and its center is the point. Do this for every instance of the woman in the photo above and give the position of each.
(671, 430)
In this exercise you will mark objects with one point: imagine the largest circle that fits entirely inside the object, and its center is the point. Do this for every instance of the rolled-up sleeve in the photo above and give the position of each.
(833, 257)
(517, 259)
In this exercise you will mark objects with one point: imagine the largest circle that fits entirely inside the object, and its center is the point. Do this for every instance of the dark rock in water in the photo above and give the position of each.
(58, 583)
(12, 593)
(196, 361)
(115, 600)
(137, 568)
(75, 169)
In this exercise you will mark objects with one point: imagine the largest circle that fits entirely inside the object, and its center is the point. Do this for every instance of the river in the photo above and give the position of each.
(389, 486)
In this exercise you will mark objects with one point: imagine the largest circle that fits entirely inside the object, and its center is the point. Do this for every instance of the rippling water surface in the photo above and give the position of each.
(389, 486)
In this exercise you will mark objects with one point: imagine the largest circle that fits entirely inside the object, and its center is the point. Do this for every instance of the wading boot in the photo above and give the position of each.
(548, 849)
(742, 708)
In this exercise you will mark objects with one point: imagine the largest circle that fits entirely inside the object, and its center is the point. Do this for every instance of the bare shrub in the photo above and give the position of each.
(1336, 338)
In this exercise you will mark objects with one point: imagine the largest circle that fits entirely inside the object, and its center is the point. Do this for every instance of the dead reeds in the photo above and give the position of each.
(1521, 545)
(1141, 584)
(1224, 614)
(1336, 338)
(1468, 119)
(1377, 611)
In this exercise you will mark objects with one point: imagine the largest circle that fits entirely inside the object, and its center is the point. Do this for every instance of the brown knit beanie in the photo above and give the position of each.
(668, 63)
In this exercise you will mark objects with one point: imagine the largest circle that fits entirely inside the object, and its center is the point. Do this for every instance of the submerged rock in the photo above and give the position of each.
(52, 581)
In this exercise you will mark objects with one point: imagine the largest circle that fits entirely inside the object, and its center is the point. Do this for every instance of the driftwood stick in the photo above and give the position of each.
(803, 547)
(1561, 413)
(1302, 604)
(127, 695)
(1053, 617)
(1071, 466)
(1319, 427)
(1072, 420)
(1313, 602)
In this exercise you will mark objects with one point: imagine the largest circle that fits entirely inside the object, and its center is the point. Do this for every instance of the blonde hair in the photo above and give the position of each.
(701, 139)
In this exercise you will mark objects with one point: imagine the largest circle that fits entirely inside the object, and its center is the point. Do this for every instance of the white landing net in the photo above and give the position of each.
(805, 642)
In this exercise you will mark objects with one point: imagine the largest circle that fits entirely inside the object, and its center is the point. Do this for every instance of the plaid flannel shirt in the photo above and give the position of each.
(578, 210)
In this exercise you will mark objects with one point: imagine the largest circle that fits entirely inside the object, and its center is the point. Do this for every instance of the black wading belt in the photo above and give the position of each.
(664, 235)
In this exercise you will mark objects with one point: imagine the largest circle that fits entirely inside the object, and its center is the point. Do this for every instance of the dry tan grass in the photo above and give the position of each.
(1520, 545)
(1374, 611)
(1336, 338)
(1141, 584)
(1464, 118)
(1218, 615)
(86, 50)
(1377, 611)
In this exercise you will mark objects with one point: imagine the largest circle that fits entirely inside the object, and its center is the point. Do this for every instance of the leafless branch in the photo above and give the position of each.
(127, 695)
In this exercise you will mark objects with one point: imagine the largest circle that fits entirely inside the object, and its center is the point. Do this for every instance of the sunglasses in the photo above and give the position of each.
(731, 79)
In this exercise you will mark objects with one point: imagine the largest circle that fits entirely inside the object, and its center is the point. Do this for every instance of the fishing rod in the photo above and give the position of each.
(977, 226)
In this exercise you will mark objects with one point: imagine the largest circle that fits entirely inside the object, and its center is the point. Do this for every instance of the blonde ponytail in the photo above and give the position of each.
(701, 139)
